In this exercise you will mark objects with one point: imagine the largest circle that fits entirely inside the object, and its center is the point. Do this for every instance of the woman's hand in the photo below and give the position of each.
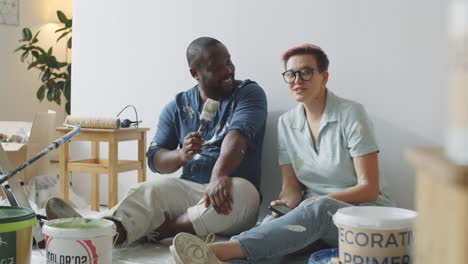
(289, 198)
(276, 203)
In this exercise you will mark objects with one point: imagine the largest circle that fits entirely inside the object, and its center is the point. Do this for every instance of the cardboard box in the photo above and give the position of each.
(41, 136)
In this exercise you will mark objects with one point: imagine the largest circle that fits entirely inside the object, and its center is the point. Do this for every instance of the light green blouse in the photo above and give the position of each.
(345, 132)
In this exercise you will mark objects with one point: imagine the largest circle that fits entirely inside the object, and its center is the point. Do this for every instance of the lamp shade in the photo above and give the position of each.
(51, 7)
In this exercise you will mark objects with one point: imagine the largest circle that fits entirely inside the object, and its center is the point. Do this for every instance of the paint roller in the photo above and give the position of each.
(209, 109)
(211, 106)
(99, 122)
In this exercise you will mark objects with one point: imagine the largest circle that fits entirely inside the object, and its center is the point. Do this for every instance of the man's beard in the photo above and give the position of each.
(217, 91)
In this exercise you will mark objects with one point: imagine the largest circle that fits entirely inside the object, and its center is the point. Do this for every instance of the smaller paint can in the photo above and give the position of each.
(79, 241)
(16, 234)
(375, 234)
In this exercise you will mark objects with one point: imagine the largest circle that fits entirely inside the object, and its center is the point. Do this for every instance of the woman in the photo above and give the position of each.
(328, 157)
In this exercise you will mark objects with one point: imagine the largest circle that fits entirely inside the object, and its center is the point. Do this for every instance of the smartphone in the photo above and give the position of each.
(280, 209)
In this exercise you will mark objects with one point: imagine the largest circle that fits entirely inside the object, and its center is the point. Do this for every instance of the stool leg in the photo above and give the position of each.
(95, 179)
(142, 158)
(113, 177)
(63, 171)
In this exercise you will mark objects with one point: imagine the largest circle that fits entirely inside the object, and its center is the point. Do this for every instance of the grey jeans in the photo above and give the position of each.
(303, 226)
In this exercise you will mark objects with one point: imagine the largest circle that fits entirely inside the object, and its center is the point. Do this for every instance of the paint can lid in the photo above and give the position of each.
(15, 218)
(324, 256)
(375, 217)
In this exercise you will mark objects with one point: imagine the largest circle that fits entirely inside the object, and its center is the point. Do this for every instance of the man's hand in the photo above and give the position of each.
(218, 194)
(192, 145)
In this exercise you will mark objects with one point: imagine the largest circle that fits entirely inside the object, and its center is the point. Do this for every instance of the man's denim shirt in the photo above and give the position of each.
(245, 111)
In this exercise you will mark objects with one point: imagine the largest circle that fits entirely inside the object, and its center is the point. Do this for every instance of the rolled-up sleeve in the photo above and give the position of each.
(250, 113)
(360, 134)
(166, 136)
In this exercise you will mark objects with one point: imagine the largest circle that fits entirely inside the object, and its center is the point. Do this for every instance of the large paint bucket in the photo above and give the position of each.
(16, 234)
(79, 241)
(372, 234)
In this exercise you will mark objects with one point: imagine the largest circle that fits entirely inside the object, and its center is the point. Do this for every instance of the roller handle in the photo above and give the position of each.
(57, 143)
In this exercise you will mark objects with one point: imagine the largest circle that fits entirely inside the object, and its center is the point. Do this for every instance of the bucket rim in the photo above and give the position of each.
(375, 217)
(15, 214)
(15, 226)
(58, 228)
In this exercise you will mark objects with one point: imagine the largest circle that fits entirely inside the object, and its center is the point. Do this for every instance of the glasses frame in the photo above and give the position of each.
(300, 74)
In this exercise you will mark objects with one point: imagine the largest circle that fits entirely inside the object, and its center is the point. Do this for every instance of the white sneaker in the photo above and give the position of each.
(189, 249)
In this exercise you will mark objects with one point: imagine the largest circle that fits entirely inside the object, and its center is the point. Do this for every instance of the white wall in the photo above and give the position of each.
(388, 55)
(17, 85)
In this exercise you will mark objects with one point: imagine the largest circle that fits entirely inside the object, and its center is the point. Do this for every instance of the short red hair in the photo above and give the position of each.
(320, 56)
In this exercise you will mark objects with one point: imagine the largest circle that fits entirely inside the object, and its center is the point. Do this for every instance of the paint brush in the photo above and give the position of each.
(209, 109)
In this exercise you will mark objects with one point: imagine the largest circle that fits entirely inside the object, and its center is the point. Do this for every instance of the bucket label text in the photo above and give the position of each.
(355, 259)
(400, 239)
(8, 248)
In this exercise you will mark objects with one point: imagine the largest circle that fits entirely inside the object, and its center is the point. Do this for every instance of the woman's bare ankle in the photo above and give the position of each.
(227, 250)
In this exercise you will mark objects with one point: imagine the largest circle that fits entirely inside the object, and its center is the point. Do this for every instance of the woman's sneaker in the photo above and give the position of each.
(189, 249)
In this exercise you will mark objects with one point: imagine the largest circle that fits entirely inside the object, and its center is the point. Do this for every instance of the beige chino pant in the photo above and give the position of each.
(148, 205)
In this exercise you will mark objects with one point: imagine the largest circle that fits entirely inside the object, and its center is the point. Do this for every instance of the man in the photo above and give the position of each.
(218, 189)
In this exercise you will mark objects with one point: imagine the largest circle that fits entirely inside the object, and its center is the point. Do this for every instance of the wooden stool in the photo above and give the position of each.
(95, 165)
(441, 231)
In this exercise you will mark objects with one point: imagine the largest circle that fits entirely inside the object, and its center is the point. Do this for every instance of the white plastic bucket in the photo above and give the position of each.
(373, 234)
(79, 241)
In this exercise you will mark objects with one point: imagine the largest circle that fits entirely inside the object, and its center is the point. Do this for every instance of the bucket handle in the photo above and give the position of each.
(116, 235)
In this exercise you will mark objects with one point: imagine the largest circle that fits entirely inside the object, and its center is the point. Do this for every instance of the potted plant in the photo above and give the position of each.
(55, 75)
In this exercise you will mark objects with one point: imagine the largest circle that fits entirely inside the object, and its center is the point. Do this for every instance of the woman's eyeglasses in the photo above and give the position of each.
(305, 74)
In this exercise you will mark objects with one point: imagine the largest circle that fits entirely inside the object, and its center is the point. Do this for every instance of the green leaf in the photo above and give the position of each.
(32, 65)
(61, 64)
(67, 107)
(27, 35)
(63, 35)
(59, 85)
(45, 77)
(69, 68)
(49, 52)
(57, 93)
(62, 17)
(35, 53)
(69, 43)
(34, 39)
(67, 90)
(52, 62)
(58, 100)
(22, 47)
(50, 94)
(61, 29)
(41, 59)
(24, 56)
(69, 23)
(40, 93)
(51, 84)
